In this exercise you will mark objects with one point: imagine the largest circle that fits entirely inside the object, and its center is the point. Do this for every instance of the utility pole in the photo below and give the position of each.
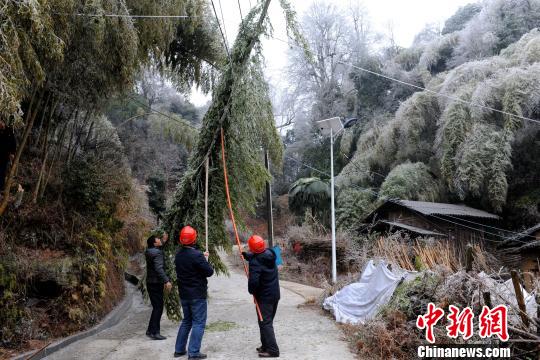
(269, 214)
(333, 210)
(332, 127)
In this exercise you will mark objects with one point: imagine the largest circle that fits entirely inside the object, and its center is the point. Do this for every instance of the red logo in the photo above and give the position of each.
(429, 320)
(460, 323)
(494, 322)
(491, 322)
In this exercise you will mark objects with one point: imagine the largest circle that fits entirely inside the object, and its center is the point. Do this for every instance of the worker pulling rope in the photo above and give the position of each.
(229, 204)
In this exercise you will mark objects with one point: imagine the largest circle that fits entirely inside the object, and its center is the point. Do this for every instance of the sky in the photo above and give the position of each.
(407, 17)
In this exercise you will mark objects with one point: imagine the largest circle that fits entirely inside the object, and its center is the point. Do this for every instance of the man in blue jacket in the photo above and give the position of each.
(192, 269)
(263, 284)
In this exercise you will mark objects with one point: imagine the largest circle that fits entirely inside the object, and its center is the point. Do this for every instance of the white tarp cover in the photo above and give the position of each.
(504, 293)
(359, 301)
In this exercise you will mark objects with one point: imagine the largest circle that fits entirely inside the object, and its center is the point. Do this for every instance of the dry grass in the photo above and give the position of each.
(419, 255)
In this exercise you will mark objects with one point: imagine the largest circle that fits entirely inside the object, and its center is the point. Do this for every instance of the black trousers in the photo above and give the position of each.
(155, 292)
(3, 173)
(266, 327)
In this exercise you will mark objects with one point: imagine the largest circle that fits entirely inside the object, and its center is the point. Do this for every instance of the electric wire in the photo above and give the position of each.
(454, 98)
(468, 221)
(223, 22)
(396, 201)
(225, 42)
(221, 31)
(223, 34)
(183, 123)
(240, 9)
(127, 16)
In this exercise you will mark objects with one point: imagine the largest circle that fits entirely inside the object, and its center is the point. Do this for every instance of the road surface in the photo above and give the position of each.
(301, 332)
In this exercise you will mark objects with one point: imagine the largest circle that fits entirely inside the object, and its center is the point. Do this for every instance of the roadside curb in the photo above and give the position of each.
(305, 291)
(113, 318)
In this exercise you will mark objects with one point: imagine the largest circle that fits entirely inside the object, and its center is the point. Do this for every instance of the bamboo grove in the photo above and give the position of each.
(61, 63)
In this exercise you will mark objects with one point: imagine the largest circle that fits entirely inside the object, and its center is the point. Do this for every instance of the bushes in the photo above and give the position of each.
(83, 184)
(353, 205)
(11, 307)
(156, 194)
(412, 182)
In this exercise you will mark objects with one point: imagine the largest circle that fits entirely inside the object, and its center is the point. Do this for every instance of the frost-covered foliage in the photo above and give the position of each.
(309, 193)
(468, 147)
(499, 24)
(458, 21)
(28, 45)
(241, 111)
(352, 206)
(438, 53)
(411, 181)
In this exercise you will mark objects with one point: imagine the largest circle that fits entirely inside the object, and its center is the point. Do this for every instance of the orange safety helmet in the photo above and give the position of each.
(188, 235)
(256, 244)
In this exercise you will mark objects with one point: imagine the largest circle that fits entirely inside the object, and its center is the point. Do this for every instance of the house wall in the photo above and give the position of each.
(529, 264)
(458, 236)
(529, 268)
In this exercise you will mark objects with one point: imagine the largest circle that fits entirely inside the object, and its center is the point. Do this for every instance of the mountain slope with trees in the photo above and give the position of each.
(73, 207)
(444, 143)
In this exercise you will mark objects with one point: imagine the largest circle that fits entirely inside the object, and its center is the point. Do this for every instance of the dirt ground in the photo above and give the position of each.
(302, 332)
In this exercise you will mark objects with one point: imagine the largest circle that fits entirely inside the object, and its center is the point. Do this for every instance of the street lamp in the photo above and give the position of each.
(332, 127)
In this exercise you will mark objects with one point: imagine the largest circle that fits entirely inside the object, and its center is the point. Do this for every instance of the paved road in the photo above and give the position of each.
(302, 333)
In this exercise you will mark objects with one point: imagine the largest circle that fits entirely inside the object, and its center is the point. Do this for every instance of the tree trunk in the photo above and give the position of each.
(79, 135)
(44, 151)
(47, 103)
(59, 145)
(73, 130)
(88, 135)
(13, 169)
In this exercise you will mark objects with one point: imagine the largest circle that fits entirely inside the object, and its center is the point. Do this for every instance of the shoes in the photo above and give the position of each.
(198, 356)
(268, 355)
(157, 337)
(149, 335)
(178, 354)
(260, 349)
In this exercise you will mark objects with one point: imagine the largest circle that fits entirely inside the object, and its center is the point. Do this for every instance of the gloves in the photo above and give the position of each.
(245, 254)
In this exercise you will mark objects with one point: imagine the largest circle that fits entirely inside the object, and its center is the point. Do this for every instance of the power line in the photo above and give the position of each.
(468, 221)
(221, 31)
(493, 227)
(377, 195)
(184, 123)
(127, 16)
(240, 9)
(425, 89)
(223, 21)
(441, 94)
(309, 167)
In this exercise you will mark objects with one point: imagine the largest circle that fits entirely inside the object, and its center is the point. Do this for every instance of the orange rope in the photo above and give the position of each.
(229, 203)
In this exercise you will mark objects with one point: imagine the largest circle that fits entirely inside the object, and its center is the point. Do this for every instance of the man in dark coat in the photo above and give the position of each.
(263, 284)
(192, 271)
(156, 281)
(8, 147)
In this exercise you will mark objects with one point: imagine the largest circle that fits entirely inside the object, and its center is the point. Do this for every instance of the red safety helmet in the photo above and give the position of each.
(188, 235)
(256, 244)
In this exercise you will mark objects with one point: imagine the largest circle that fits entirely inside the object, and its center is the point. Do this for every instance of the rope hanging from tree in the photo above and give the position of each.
(232, 217)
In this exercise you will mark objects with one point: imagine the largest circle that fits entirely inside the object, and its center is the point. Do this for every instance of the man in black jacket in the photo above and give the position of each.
(192, 271)
(8, 147)
(263, 284)
(156, 282)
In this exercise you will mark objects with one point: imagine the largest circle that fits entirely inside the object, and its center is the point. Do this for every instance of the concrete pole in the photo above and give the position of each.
(334, 262)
